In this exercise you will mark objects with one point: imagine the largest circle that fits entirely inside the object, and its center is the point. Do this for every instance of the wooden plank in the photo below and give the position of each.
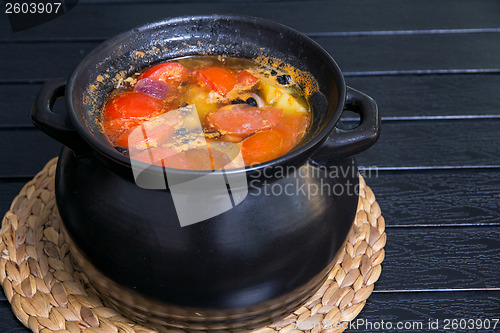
(9, 189)
(310, 17)
(402, 145)
(17, 100)
(355, 55)
(26, 152)
(440, 258)
(9, 323)
(40, 62)
(432, 96)
(435, 144)
(400, 53)
(389, 307)
(438, 198)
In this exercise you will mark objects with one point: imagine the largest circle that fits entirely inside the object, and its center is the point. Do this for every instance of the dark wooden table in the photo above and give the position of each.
(434, 69)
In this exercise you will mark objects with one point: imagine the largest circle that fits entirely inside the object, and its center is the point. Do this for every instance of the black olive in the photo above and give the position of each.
(238, 101)
(184, 104)
(273, 72)
(251, 101)
(122, 150)
(284, 79)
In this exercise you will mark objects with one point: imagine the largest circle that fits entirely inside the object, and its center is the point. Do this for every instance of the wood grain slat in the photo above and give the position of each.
(438, 198)
(9, 189)
(38, 61)
(27, 151)
(432, 96)
(17, 100)
(414, 52)
(435, 144)
(102, 20)
(9, 322)
(440, 258)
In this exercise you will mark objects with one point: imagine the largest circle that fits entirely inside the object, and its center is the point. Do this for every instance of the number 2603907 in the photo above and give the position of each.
(470, 324)
(32, 7)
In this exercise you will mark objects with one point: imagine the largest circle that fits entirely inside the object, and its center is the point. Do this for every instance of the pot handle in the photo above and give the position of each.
(346, 143)
(56, 125)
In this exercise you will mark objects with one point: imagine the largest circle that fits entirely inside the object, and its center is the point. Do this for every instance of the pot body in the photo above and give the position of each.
(239, 269)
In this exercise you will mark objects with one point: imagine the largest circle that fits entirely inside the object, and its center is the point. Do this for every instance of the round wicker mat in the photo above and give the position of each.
(49, 293)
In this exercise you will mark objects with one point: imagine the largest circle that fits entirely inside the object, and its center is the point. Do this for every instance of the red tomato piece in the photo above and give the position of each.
(164, 157)
(262, 146)
(156, 131)
(244, 119)
(245, 78)
(219, 79)
(167, 72)
(131, 105)
(149, 135)
(115, 128)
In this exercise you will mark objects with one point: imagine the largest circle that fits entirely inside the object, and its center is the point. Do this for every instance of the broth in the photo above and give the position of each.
(206, 113)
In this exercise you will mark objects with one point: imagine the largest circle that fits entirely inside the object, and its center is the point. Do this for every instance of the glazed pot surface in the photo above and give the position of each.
(268, 250)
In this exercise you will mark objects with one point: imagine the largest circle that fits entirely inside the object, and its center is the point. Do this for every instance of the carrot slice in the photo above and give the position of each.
(131, 105)
(167, 72)
(219, 79)
(293, 129)
(262, 146)
(244, 119)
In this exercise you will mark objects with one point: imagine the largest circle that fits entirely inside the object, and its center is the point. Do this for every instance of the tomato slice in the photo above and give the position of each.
(164, 157)
(131, 105)
(262, 146)
(116, 128)
(147, 137)
(155, 131)
(244, 119)
(167, 72)
(245, 78)
(219, 79)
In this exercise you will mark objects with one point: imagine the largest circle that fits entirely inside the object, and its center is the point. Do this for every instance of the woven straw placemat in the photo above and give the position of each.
(49, 293)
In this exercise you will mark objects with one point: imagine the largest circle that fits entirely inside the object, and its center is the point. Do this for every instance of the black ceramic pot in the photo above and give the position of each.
(237, 270)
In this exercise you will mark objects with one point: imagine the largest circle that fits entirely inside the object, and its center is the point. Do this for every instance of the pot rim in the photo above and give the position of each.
(112, 154)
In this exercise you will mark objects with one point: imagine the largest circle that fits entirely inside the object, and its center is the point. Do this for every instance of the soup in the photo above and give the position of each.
(206, 113)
